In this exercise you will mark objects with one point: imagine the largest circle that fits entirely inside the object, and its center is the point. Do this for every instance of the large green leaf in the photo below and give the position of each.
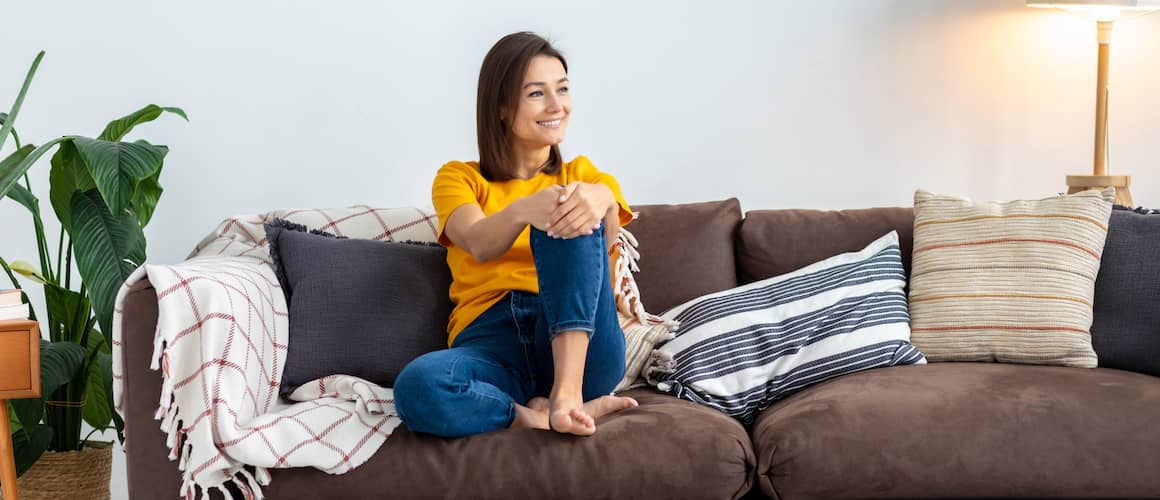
(117, 129)
(69, 308)
(14, 159)
(98, 408)
(25, 197)
(29, 411)
(11, 117)
(67, 177)
(13, 422)
(146, 198)
(147, 195)
(11, 162)
(29, 446)
(11, 173)
(118, 167)
(59, 362)
(108, 249)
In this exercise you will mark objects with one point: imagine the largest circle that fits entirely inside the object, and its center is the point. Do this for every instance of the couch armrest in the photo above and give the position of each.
(151, 473)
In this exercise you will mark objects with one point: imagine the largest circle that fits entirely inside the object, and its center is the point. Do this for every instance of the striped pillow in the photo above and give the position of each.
(1008, 282)
(741, 350)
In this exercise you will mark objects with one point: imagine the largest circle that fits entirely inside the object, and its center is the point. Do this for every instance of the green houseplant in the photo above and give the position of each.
(103, 191)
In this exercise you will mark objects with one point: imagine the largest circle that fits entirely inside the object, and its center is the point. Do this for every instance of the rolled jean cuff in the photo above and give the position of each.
(571, 326)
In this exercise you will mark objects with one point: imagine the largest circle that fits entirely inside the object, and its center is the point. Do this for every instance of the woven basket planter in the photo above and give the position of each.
(69, 475)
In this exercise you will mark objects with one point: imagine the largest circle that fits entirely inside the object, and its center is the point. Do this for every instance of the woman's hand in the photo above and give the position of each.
(582, 206)
(537, 208)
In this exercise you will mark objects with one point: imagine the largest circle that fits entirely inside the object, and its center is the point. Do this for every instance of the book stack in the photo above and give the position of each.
(11, 306)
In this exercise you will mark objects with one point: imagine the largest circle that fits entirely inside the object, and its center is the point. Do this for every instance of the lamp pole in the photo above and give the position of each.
(1100, 178)
(1104, 37)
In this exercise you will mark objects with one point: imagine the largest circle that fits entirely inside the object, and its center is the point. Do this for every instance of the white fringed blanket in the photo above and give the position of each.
(220, 344)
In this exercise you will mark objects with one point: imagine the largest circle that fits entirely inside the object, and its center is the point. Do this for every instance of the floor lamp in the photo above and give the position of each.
(1105, 13)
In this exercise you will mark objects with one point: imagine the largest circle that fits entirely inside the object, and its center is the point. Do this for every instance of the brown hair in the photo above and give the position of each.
(500, 77)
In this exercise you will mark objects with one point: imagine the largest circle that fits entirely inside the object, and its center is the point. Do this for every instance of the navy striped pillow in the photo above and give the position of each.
(741, 350)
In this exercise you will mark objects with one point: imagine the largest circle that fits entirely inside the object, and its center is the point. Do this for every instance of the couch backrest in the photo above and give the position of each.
(773, 242)
(686, 251)
(691, 249)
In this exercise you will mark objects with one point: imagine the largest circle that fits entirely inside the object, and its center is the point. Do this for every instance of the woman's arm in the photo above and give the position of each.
(582, 206)
(486, 237)
(611, 225)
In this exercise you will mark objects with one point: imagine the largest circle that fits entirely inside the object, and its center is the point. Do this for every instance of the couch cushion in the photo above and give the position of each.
(1126, 319)
(357, 307)
(686, 251)
(965, 430)
(666, 448)
(773, 242)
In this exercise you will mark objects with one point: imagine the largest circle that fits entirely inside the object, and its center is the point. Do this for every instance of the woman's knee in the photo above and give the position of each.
(420, 389)
(587, 245)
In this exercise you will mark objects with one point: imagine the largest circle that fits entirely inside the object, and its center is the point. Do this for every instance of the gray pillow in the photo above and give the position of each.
(357, 307)
(1126, 314)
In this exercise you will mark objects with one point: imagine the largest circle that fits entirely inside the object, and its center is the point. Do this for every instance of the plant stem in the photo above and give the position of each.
(86, 324)
(67, 269)
(59, 252)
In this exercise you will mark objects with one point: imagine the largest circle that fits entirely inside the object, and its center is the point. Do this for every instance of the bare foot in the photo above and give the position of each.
(605, 405)
(535, 414)
(531, 418)
(567, 415)
(539, 403)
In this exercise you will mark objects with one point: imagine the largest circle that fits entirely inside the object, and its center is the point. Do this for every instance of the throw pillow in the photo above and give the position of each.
(1008, 282)
(687, 250)
(741, 350)
(357, 307)
(1126, 318)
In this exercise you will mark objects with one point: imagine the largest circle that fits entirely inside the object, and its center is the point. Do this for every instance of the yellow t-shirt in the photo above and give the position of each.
(476, 286)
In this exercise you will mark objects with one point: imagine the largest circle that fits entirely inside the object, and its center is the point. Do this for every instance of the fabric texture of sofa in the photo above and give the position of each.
(939, 430)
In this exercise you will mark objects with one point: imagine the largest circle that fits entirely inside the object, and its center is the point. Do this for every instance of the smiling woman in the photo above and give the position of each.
(518, 109)
(534, 337)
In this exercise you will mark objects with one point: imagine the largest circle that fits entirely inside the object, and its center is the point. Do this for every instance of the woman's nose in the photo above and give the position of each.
(553, 104)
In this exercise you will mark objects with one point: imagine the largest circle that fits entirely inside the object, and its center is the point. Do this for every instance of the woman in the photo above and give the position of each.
(534, 338)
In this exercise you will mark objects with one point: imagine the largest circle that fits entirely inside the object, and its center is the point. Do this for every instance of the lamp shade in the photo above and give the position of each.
(1118, 4)
(1100, 10)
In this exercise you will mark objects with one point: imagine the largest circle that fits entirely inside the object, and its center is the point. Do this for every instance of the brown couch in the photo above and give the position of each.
(939, 430)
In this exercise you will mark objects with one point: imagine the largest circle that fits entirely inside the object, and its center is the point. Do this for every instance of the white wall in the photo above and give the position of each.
(819, 104)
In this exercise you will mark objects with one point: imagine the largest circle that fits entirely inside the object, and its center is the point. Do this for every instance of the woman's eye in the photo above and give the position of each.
(563, 90)
(536, 94)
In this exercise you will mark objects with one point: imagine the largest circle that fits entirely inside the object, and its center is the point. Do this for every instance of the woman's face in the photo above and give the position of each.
(544, 104)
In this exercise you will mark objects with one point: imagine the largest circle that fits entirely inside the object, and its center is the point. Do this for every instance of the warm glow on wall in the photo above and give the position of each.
(1105, 13)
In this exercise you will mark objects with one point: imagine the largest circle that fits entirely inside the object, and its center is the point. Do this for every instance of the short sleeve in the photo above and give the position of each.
(585, 171)
(455, 185)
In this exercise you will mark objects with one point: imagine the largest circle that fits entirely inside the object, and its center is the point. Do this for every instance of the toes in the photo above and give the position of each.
(584, 419)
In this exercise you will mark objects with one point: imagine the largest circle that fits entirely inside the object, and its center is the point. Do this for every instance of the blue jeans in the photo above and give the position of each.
(504, 357)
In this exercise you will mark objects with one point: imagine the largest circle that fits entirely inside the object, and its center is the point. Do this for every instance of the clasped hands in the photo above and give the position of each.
(571, 210)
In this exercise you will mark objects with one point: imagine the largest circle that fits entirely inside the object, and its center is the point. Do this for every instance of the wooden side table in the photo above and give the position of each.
(1079, 183)
(19, 378)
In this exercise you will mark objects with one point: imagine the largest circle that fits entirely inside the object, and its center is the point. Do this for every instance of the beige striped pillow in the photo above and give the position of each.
(1008, 282)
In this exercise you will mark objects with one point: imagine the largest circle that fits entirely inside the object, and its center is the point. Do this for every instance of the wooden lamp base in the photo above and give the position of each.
(1078, 183)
